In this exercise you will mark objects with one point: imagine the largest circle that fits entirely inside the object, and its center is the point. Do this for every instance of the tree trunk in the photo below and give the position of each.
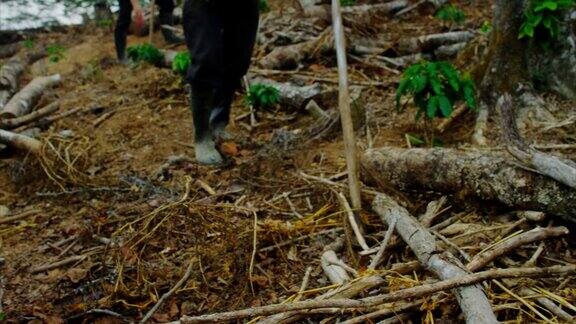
(512, 62)
(485, 176)
(507, 65)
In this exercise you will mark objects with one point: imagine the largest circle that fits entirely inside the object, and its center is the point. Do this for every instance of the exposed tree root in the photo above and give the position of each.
(484, 175)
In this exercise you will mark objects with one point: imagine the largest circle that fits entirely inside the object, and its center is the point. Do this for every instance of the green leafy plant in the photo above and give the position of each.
(28, 43)
(262, 95)
(542, 19)
(263, 6)
(145, 53)
(435, 88)
(181, 63)
(346, 3)
(486, 27)
(451, 13)
(55, 53)
(105, 23)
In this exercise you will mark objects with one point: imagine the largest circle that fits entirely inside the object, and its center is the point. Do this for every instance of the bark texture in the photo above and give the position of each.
(482, 175)
(472, 299)
(23, 102)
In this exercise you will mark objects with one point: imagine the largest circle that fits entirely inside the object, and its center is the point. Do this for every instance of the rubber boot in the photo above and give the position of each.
(220, 116)
(201, 99)
(167, 18)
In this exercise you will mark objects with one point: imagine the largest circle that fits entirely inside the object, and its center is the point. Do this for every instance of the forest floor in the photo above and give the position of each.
(132, 225)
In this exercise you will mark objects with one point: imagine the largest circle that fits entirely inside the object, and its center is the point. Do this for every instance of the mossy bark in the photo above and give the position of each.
(511, 64)
(483, 175)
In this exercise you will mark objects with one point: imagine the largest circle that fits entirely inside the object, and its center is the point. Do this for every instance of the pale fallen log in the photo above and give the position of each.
(24, 100)
(484, 175)
(11, 72)
(21, 142)
(9, 77)
(374, 301)
(9, 50)
(429, 43)
(472, 299)
(290, 56)
(562, 170)
(31, 117)
(292, 95)
(449, 51)
(356, 12)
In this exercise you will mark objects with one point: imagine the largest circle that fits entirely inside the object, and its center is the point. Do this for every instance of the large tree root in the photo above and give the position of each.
(472, 299)
(486, 176)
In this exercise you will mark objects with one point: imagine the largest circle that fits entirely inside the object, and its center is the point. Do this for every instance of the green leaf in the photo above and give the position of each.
(414, 140)
(432, 107)
(445, 106)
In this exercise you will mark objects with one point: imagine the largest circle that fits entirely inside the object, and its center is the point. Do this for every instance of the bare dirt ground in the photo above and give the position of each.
(133, 227)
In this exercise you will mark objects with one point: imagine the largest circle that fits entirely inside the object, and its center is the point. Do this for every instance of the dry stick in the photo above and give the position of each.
(344, 105)
(169, 293)
(379, 256)
(20, 216)
(46, 267)
(253, 257)
(348, 290)
(353, 223)
(304, 284)
(538, 234)
(383, 312)
(33, 116)
(152, 13)
(415, 292)
(473, 301)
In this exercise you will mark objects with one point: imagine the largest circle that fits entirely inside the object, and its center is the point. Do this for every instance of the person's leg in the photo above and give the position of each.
(203, 30)
(166, 17)
(121, 30)
(239, 35)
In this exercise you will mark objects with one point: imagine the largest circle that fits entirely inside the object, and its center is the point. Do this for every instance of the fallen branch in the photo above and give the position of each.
(31, 117)
(369, 302)
(61, 263)
(472, 299)
(20, 216)
(561, 170)
(485, 175)
(169, 293)
(385, 311)
(24, 100)
(538, 234)
(431, 42)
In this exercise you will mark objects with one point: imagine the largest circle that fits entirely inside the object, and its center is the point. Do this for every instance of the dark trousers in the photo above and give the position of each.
(220, 35)
(125, 19)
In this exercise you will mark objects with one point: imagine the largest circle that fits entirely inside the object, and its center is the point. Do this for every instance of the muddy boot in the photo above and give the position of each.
(201, 99)
(168, 19)
(220, 116)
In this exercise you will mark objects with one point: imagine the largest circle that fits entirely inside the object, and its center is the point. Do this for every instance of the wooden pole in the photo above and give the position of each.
(344, 105)
(152, 13)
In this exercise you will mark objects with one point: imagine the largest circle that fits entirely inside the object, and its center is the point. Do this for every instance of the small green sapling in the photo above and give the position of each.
(145, 53)
(435, 88)
(262, 95)
(181, 63)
